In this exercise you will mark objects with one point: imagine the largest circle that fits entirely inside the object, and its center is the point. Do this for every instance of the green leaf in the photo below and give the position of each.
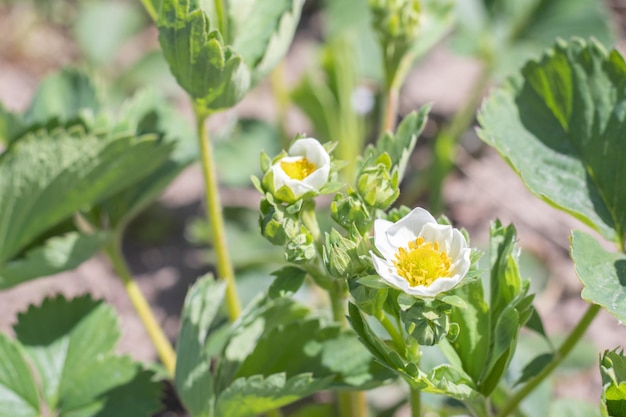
(18, 389)
(213, 74)
(57, 254)
(562, 122)
(288, 281)
(10, 125)
(47, 176)
(401, 145)
(602, 273)
(248, 397)
(63, 96)
(613, 370)
(70, 346)
(535, 366)
(193, 379)
(508, 33)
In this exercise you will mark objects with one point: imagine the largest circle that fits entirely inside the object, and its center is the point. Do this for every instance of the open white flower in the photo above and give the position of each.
(420, 256)
(305, 169)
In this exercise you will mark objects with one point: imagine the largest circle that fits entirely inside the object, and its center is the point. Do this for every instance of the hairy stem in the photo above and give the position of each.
(559, 356)
(155, 331)
(214, 214)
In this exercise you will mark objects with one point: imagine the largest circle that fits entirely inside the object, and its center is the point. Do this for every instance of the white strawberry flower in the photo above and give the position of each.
(420, 256)
(305, 168)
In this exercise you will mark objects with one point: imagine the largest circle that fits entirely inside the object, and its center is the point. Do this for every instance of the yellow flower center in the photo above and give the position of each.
(298, 170)
(422, 263)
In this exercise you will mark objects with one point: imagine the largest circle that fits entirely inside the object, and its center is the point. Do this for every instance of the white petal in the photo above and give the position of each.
(457, 245)
(408, 228)
(380, 238)
(439, 233)
(312, 150)
(318, 178)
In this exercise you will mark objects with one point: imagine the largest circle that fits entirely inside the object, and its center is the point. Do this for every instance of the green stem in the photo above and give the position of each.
(395, 334)
(274, 413)
(222, 19)
(147, 4)
(390, 110)
(559, 356)
(446, 141)
(159, 340)
(283, 100)
(214, 214)
(415, 400)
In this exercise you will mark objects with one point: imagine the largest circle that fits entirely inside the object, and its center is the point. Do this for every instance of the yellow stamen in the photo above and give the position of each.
(298, 170)
(422, 263)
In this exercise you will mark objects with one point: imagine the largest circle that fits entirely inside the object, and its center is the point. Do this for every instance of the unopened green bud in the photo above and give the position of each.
(426, 323)
(338, 255)
(349, 211)
(396, 20)
(301, 248)
(377, 187)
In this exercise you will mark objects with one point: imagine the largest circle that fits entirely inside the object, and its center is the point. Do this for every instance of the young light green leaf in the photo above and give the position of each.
(18, 389)
(247, 397)
(213, 74)
(194, 379)
(602, 273)
(613, 370)
(559, 128)
(70, 345)
(57, 254)
(46, 176)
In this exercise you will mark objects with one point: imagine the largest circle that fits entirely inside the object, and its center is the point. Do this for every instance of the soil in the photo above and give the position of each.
(481, 189)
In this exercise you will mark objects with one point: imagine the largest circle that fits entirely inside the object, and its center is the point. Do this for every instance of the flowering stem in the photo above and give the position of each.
(390, 111)
(282, 99)
(147, 4)
(222, 19)
(559, 356)
(159, 340)
(214, 214)
(415, 399)
(396, 336)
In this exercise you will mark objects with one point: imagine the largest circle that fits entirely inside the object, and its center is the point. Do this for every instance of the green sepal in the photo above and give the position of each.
(613, 371)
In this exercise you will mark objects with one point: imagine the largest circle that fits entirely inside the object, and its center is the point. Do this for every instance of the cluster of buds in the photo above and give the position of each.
(396, 20)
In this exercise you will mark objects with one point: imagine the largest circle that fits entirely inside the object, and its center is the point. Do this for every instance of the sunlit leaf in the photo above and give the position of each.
(613, 370)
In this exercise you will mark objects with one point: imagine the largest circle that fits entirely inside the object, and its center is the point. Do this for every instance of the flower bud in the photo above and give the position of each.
(338, 255)
(426, 323)
(377, 187)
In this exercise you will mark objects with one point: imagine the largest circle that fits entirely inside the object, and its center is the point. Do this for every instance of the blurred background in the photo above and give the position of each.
(484, 42)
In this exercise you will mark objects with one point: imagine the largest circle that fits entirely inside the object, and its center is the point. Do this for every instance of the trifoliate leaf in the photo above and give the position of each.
(70, 346)
(46, 176)
(57, 254)
(559, 126)
(602, 273)
(213, 74)
(288, 281)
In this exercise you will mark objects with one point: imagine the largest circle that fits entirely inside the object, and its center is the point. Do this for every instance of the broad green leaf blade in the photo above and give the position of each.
(613, 370)
(213, 74)
(10, 125)
(401, 145)
(45, 177)
(194, 379)
(63, 96)
(559, 127)
(602, 273)
(70, 344)
(57, 254)
(18, 390)
(247, 397)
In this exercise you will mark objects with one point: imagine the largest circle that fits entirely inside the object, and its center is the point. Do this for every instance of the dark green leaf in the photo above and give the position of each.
(603, 274)
(70, 345)
(288, 280)
(57, 254)
(562, 122)
(534, 367)
(194, 379)
(47, 176)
